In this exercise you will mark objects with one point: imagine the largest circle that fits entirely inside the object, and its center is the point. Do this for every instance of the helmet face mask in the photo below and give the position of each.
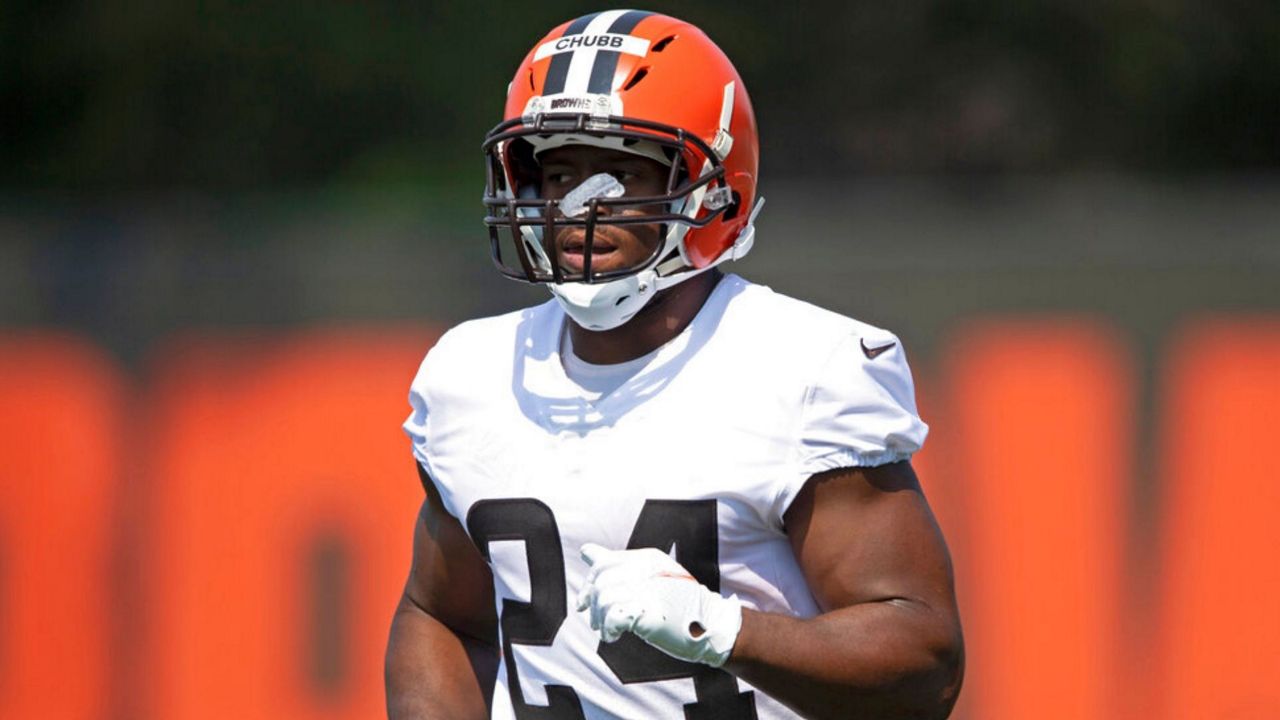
(635, 82)
(523, 225)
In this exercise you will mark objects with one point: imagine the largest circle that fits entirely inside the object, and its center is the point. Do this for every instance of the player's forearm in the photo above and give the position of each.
(885, 659)
(434, 673)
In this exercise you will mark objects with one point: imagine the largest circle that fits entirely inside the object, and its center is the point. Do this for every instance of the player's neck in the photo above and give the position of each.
(665, 317)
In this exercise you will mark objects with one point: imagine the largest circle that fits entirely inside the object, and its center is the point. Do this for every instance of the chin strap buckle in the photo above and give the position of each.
(719, 198)
(722, 143)
(746, 238)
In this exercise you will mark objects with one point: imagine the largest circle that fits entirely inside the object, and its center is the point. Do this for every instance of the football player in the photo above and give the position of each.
(666, 492)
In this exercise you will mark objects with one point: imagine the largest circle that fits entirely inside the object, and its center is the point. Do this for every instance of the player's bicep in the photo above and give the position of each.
(866, 534)
(449, 579)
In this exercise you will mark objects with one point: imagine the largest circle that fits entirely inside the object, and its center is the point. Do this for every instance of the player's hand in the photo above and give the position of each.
(647, 593)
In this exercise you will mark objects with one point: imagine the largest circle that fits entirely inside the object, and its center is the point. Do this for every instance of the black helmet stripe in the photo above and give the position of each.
(606, 64)
(588, 69)
(559, 69)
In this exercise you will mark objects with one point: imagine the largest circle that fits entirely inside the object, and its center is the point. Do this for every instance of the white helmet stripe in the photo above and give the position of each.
(579, 77)
(559, 68)
(606, 65)
(726, 106)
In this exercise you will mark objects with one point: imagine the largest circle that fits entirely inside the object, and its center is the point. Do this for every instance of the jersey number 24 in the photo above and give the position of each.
(689, 525)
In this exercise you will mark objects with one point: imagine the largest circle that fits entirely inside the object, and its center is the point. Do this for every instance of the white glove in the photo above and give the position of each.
(647, 593)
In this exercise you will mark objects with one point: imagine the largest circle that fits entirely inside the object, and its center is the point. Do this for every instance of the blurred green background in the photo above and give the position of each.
(177, 163)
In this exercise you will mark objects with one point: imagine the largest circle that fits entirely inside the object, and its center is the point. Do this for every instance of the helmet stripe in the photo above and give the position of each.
(606, 64)
(559, 69)
(584, 55)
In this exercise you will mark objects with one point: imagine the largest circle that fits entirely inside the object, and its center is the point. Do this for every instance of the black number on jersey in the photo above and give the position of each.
(535, 622)
(688, 526)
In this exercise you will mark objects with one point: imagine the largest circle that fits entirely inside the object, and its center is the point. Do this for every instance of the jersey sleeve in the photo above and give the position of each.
(416, 425)
(420, 426)
(860, 411)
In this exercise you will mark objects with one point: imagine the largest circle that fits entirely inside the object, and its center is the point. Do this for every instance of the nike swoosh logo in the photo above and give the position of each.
(873, 353)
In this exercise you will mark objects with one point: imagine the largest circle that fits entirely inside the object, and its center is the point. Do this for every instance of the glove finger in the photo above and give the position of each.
(603, 604)
(662, 562)
(620, 618)
(608, 574)
(599, 606)
(624, 569)
(608, 564)
(634, 565)
(655, 561)
(593, 553)
(651, 622)
(585, 596)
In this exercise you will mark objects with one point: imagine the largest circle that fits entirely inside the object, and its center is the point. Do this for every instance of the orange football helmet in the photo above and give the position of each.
(640, 82)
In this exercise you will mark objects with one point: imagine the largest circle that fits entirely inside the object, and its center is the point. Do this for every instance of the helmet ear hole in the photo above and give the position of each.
(731, 212)
(525, 169)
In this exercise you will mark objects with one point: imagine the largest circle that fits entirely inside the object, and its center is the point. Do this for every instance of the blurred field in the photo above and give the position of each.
(229, 233)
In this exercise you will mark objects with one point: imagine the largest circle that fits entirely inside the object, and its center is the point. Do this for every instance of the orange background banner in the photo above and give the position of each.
(230, 537)
(61, 420)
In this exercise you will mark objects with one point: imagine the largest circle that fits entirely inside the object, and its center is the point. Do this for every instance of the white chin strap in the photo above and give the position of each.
(605, 306)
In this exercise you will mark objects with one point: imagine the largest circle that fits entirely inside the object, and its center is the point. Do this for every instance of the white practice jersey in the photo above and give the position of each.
(699, 453)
